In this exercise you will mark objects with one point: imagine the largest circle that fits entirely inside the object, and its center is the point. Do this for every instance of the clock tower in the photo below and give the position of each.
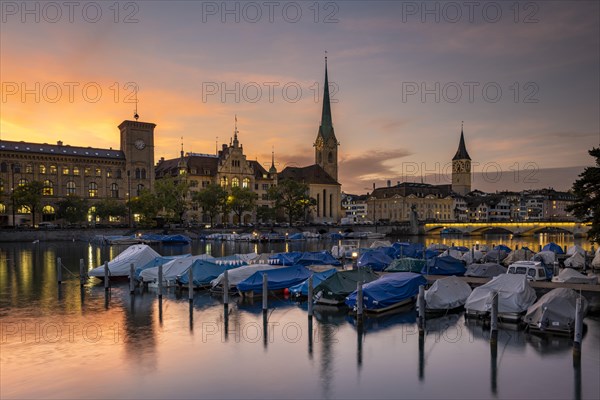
(461, 168)
(137, 143)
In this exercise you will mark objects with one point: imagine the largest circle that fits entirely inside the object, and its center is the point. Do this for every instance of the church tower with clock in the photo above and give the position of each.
(461, 168)
(137, 144)
(326, 144)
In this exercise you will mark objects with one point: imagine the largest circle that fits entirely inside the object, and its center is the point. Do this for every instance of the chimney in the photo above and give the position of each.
(373, 185)
(59, 143)
(389, 183)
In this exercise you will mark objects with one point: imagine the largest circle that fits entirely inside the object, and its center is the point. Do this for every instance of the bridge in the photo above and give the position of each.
(523, 228)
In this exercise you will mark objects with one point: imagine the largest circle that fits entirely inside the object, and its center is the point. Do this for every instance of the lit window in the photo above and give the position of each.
(48, 209)
(65, 170)
(53, 170)
(114, 190)
(246, 183)
(224, 181)
(93, 189)
(42, 168)
(48, 188)
(76, 171)
(98, 172)
(23, 182)
(235, 182)
(71, 188)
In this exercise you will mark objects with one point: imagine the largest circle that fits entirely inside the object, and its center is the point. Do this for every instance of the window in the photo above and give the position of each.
(23, 182)
(531, 272)
(265, 186)
(28, 168)
(118, 174)
(224, 181)
(330, 157)
(87, 171)
(3, 167)
(2, 208)
(205, 183)
(140, 187)
(1, 186)
(235, 182)
(246, 183)
(23, 210)
(42, 169)
(48, 188)
(76, 171)
(109, 173)
(138, 173)
(98, 172)
(114, 190)
(92, 189)
(71, 188)
(65, 170)
(53, 170)
(91, 213)
(143, 173)
(48, 209)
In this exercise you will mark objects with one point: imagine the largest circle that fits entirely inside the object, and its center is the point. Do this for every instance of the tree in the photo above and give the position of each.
(211, 199)
(73, 209)
(107, 208)
(146, 205)
(241, 200)
(30, 196)
(291, 197)
(587, 192)
(172, 194)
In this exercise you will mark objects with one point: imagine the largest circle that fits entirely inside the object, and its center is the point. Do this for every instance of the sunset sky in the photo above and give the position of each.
(543, 57)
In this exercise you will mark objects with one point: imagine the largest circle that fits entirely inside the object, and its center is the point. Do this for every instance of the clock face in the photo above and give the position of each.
(139, 144)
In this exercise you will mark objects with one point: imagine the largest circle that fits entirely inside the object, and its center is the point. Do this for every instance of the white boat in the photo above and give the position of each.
(515, 295)
(346, 249)
(365, 235)
(237, 275)
(446, 294)
(171, 269)
(139, 255)
(554, 312)
(569, 275)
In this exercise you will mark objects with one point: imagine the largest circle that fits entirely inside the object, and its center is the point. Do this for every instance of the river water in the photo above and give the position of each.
(83, 343)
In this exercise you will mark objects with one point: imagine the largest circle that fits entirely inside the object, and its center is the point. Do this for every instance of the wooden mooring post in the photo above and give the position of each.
(421, 306)
(494, 318)
(265, 293)
(578, 328)
(106, 276)
(226, 288)
(160, 281)
(359, 302)
(310, 296)
(191, 285)
(131, 279)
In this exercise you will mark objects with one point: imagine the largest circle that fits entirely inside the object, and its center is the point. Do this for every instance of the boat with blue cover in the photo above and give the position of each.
(277, 279)
(388, 292)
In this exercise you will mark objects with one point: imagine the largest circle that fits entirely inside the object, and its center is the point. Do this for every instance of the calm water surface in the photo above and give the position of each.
(77, 343)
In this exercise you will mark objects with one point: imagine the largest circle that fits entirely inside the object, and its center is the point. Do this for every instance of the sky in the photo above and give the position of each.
(404, 75)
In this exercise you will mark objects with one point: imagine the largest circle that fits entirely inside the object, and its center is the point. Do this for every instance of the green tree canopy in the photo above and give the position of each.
(292, 198)
(241, 200)
(146, 205)
(30, 196)
(172, 194)
(587, 191)
(211, 199)
(107, 208)
(73, 209)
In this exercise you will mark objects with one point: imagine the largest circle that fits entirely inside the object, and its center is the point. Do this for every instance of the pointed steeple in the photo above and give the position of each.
(326, 128)
(461, 153)
(273, 170)
(235, 133)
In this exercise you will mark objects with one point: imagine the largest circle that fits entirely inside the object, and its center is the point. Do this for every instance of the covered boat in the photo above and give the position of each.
(495, 255)
(277, 279)
(334, 289)
(171, 270)
(486, 270)
(522, 254)
(405, 249)
(160, 260)
(389, 292)
(166, 239)
(301, 289)
(576, 260)
(515, 295)
(503, 247)
(138, 254)
(446, 294)
(569, 275)
(205, 270)
(575, 249)
(380, 243)
(406, 265)
(376, 259)
(305, 258)
(472, 256)
(553, 247)
(444, 265)
(555, 311)
(237, 275)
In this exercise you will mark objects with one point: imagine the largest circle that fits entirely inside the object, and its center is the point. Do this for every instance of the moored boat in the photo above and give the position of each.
(138, 255)
(555, 311)
(333, 290)
(446, 294)
(388, 292)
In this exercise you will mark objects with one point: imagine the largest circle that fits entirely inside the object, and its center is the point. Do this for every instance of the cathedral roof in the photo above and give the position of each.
(313, 174)
(326, 128)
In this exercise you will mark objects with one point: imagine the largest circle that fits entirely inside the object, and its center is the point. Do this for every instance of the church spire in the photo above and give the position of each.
(461, 153)
(273, 170)
(326, 120)
(235, 132)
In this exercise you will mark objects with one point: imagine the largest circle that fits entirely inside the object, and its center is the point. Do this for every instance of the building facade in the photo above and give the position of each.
(91, 173)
